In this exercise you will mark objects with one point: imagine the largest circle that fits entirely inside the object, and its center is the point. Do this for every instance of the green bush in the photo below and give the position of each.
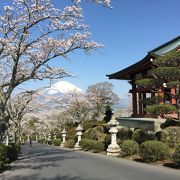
(3, 153)
(107, 140)
(2, 165)
(18, 147)
(93, 133)
(102, 137)
(161, 136)
(176, 155)
(129, 147)
(71, 134)
(90, 134)
(98, 146)
(124, 134)
(86, 144)
(152, 151)
(89, 124)
(56, 142)
(139, 135)
(69, 143)
(12, 152)
(173, 136)
(92, 145)
(42, 141)
(150, 135)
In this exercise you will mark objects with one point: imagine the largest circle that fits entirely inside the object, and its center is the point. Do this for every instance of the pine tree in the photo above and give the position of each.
(108, 113)
(165, 75)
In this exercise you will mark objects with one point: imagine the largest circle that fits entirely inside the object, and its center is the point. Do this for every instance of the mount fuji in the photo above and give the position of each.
(62, 87)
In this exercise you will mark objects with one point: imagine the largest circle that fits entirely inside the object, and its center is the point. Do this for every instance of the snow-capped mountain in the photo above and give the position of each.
(62, 87)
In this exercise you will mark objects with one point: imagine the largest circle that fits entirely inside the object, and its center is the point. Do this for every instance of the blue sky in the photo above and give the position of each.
(128, 31)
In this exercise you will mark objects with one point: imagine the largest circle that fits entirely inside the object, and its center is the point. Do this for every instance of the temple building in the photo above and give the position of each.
(142, 69)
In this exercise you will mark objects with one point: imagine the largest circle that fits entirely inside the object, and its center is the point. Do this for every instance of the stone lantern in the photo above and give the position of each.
(79, 134)
(49, 137)
(64, 133)
(36, 137)
(55, 137)
(7, 138)
(113, 148)
(28, 137)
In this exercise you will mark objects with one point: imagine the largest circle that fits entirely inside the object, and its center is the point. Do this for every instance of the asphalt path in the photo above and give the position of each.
(44, 162)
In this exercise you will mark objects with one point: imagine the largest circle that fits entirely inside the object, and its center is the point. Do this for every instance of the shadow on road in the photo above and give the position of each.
(36, 158)
(36, 177)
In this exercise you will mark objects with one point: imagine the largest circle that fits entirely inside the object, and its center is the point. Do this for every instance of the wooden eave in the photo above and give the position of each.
(127, 73)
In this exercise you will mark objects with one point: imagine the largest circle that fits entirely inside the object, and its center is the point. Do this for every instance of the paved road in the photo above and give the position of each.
(43, 162)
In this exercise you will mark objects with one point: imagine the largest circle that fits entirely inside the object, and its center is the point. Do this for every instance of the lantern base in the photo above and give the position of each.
(113, 150)
(77, 147)
(62, 144)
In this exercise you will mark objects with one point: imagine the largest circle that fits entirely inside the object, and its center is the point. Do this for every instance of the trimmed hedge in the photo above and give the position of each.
(92, 145)
(173, 136)
(176, 155)
(8, 153)
(161, 136)
(152, 151)
(93, 133)
(129, 147)
(124, 134)
(69, 143)
(139, 135)
(42, 141)
(12, 152)
(56, 142)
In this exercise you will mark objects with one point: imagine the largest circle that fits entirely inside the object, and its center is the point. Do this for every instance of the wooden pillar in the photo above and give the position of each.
(161, 94)
(134, 99)
(173, 92)
(144, 106)
(140, 103)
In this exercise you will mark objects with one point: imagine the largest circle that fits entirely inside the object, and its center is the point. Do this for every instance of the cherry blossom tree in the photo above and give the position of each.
(33, 33)
(101, 95)
(79, 108)
(18, 106)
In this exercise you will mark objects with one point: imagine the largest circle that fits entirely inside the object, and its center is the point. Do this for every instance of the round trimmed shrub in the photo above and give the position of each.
(173, 136)
(139, 135)
(56, 142)
(12, 152)
(86, 144)
(93, 133)
(176, 155)
(70, 143)
(129, 147)
(161, 136)
(42, 141)
(98, 146)
(152, 151)
(124, 134)
(93, 145)
(150, 135)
